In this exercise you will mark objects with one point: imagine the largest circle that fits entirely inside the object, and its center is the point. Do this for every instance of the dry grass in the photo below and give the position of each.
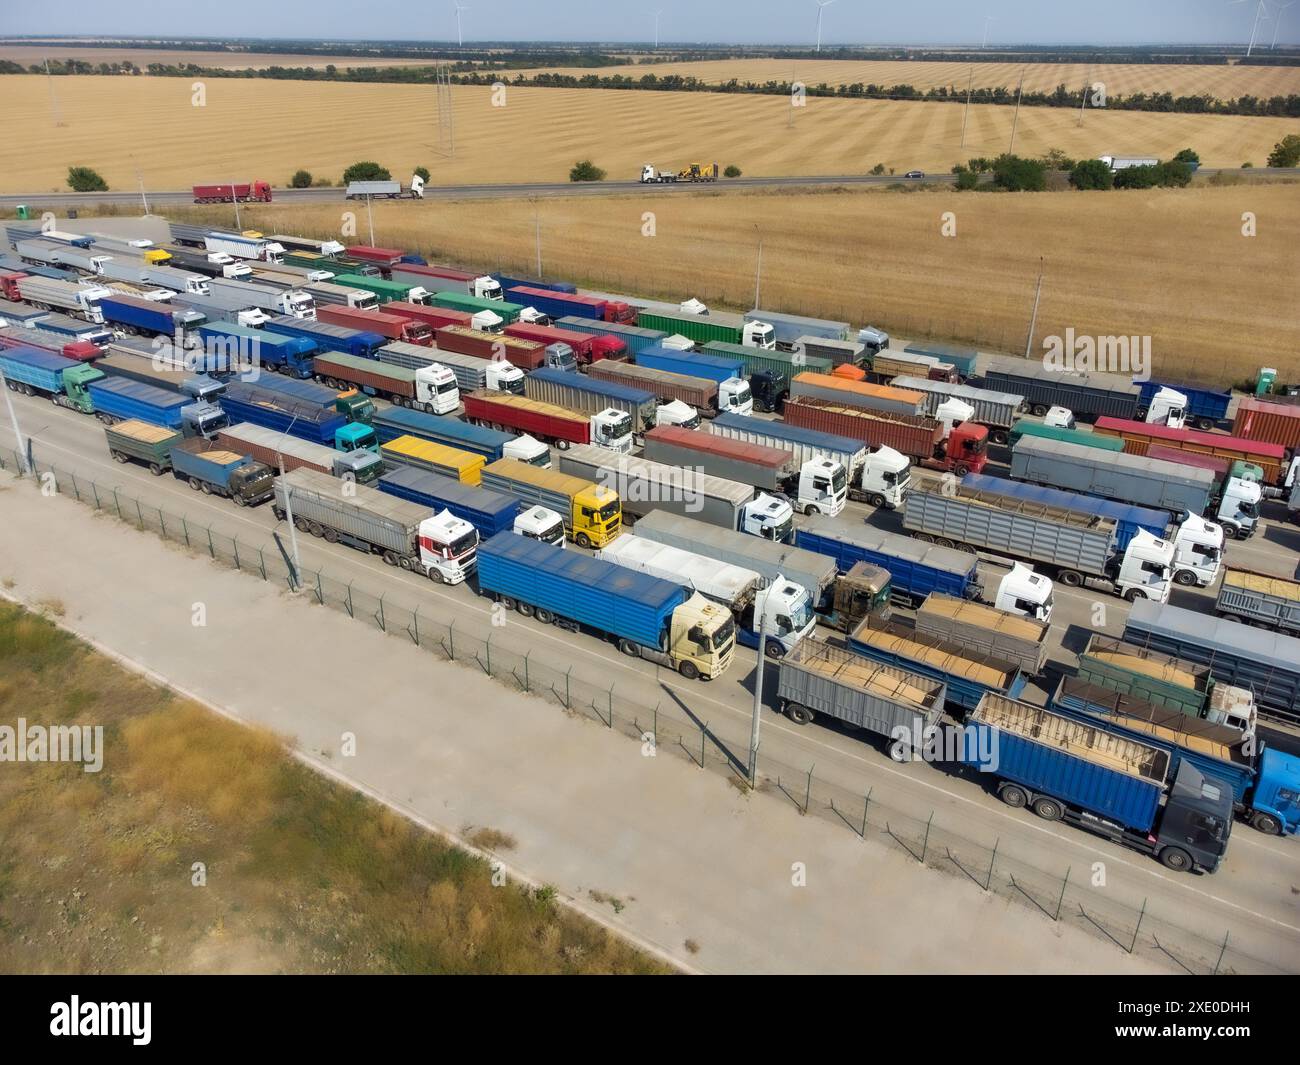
(268, 129)
(302, 875)
(1169, 263)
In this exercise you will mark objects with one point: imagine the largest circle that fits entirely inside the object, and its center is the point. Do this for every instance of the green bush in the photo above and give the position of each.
(83, 179)
(967, 179)
(1188, 156)
(1055, 159)
(322, 183)
(1016, 174)
(980, 165)
(1174, 174)
(732, 171)
(300, 180)
(1137, 177)
(586, 170)
(878, 169)
(1285, 153)
(423, 172)
(365, 171)
(1092, 174)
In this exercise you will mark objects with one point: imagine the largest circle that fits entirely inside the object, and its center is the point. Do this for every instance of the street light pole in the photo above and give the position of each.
(13, 418)
(1033, 319)
(758, 273)
(234, 196)
(371, 217)
(288, 504)
(761, 610)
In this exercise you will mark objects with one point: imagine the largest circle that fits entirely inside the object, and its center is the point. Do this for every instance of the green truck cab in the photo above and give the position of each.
(356, 406)
(76, 380)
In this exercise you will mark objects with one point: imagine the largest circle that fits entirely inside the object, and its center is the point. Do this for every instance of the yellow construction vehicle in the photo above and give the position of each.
(699, 172)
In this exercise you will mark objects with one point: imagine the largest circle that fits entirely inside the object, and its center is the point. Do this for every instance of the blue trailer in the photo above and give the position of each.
(15, 264)
(692, 363)
(120, 398)
(917, 569)
(489, 512)
(21, 313)
(514, 282)
(635, 337)
(1065, 769)
(450, 432)
(1206, 407)
(274, 410)
(240, 345)
(74, 328)
(305, 391)
(136, 315)
(328, 337)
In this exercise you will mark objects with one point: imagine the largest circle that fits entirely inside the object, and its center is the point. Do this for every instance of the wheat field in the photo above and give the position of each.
(268, 129)
(1172, 264)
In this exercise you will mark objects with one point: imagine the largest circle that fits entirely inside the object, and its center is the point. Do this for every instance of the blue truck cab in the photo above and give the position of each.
(120, 398)
(356, 436)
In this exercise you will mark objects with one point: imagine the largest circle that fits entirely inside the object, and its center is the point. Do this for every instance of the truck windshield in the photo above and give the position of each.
(743, 395)
(724, 634)
(449, 386)
(515, 388)
(210, 425)
(609, 510)
(368, 469)
(620, 427)
(839, 480)
(801, 613)
(779, 533)
(464, 543)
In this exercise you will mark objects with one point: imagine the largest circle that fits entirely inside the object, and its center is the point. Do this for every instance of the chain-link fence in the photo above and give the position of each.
(947, 848)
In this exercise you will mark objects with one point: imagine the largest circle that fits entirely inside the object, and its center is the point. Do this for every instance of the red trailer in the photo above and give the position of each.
(525, 354)
(1218, 464)
(377, 256)
(79, 350)
(1139, 436)
(252, 192)
(1274, 423)
(392, 326)
(434, 317)
(583, 344)
(510, 413)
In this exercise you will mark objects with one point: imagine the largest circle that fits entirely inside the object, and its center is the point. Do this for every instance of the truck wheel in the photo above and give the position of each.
(812, 511)
(195, 484)
(798, 713)
(877, 500)
(1205, 424)
(1071, 578)
(331, 536)
(688, 671)
(961, 469)
(526, 609)
(998, 436)
(629, 648)
(508, 603)
(1014, 796)
(900, 752)
(1175, 858)
(943, 541)
(155, 469)
(299, 523)
(562, 445)
(279, 514)
(583, 540)
(773, 650)
(240, 501)
(1039, 408)
(1048, 809)
(1140, 415)
(390, 558)
(925, 538)
(119, 456)
(1134, 594)
(1185, 577)
(1267, 823)
(1233, 617)
(316, 528)
(1230, 532)
(435, 575)
(544, 616)
(206, 489)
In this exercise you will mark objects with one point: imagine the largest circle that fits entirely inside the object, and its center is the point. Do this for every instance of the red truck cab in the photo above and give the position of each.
(607, 346)
(966, 449)
(9, 285)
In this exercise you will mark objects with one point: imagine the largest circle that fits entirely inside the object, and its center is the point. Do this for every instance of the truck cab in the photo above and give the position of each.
(448, 547)
(784, 610)
(612, 429)
(1233, 708)
(362, 466)
(356, 406)
(538, 523)
(735, 397)
(769, 390)
(487, 322)
(500, 376)
(769, 518)
(1197, 819)
(203, 419)
(967, 442)
(1025, 593)
(435, 387)
(296, 303)
(1238, 508)
(528, 449)
(356, 436)
(823, 487)
(252, 482)
(677, 342)
(597, 516)
(203, 388)
(679, 414)
(76, 395)
(701, 638)
(1276, 799)
(866, 590)
(759, 335)
(1146, 568)
(884, 477)
(560, 356)
(1198, 551)
(873, 339)
(1060, 418)
(1168, 407)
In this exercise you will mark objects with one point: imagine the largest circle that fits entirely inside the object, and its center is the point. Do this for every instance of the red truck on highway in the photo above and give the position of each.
(252, 192)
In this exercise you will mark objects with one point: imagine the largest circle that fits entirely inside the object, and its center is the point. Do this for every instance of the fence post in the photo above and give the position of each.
(1061, 900)
(347, 603)
(95, 489)
(866, 802)
(238, 565)
(117, 503)
(925, 844)
(139, 514)
(76, 488)
(610, 704)
(320, 591)
(185, 527)
(807, 795)
(451, 640)
(568, 695)
(212, 551)
(527, 687)
(162, 523)
(992, 861)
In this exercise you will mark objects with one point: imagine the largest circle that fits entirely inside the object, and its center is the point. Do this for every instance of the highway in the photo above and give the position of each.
(1252, 896)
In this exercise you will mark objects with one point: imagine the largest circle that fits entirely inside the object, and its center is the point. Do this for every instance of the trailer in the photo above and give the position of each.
(719, 456)
(245, 192)
(239, 246)
(839, 391)
(291, 302)
(273, 447)
(327, 337)
(700, 328)
(145, 442)
(787, 329)
(770, 371)
(964, 359)
(504, 411)
(389, 326)
(1259, 599)
(151, 371)
(214, 469)
(1139, 436)
(1206, 407)
(1087, 395)
(585, 350)
(1082, 437)
(431, 388)
(1265, 663)
(557, 305)
(45, 293)
(592, 513)
(120, 399)
(1152, 676)
(1065, 769)
(804, 444)
(434, 317)
(836, 352)
(1269, 423)
(147, 318)
(885, 366)
(700, 393)
(508, 313)
(75, 329)
(470, 373)
(392, 422)
(634, 338)
(717, 368)
(489, 512)
(996, 411)
(995, 633)
(330, 294)
(506, 281)
(236, 345)
(525, 355)
(579, 392)
(245, 402)
(35, 372)
(55, 343)
(453, 463)
(22, 314)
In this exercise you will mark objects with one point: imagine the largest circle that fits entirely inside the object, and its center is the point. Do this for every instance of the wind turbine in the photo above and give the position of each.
(1260, 12)
(1277, 24)
(460, 40)
(655, 15)
(987, 20)
(820, 5)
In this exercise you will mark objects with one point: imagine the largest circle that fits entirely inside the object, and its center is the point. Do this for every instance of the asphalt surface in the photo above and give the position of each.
(1251, 896)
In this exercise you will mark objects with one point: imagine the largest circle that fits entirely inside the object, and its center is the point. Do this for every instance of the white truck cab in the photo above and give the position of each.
(692, 306)
(735, 397)
(528, 449)
(532, 316)
(487, 288)
(873, 339)
(677, 342)
(612, 429)
(253, 318)
(758, 335)
(419, 295)
(1025, 593)
(823, 487)
(538, 523)
(884, 478)
(784, 610)
(296, 303)
(436, 390)
(1059, 418)
(677, 413)
(1233, 708)
(560, 356)
(448, 547)
(1198, 551)
(1168, 407)
(1146, 569)
(953, 412)
(769, 517)
(487, 321)
(1238, 509)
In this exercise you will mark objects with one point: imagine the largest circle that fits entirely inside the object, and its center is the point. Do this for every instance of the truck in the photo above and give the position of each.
(787, 329)
(579, 392)
(645, 486)
(1122, 789)
(836, 352)
(524, 355)
(886, 365)
(967, 674)
(509, 281)
(964, 359)
(273, 446)
(290, 275)
(436, 317)
(557, 305)
(547, 422)
(389, 326)
(489, 512)
(244, 402)
(585, 350)
(214, 469)
(783, 608)
(236, 192)
(507, 313)
(1259, 599)
(143, 441)
(692, 173)
(151, 371)
(633, 338)
(842, 392)
(922, 439)
(392, 422)
(1082, 437)
(1139, 436)
(703, 329)
(1206, 407)
(385, 292)
(75, 329)
(646, 617)
(386, 190)
(592, 513)
(146, 318)
(327, 337)
(21, 314)
(734, 393)
(1152, 676)
(769, 371)
(463, 466)
(996, 633)
(238, 246)
(1087, 395)
(324, 248)
(440, 546)
(293, 302)
(996, 411)
(471, 373)
(1266, 663)
(55, 343)
(209, 264)
(328, 293)
(1073, 546)
(430, 388)
(698, 394)
(118, 399)
(47, 294)
(1197, 543)
(1271, 423)
(434, 278)
(770, 559)
(174, 279)
(239, 345)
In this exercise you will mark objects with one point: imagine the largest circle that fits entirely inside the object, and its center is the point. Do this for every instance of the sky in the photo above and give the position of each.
(792, 22)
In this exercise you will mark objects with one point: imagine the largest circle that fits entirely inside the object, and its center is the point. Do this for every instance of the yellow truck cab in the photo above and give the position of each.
(703, 634)
(592, 513)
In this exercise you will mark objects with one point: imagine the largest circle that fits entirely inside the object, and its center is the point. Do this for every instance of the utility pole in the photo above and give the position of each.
(370, 216)
(537, 236)
(143, 199)
(966, 113)
(758, 273)
(1016, 117)
(13, 418)
(288, 506)
(54, 99)
(758, 691)
(234, 195)
(1033, 319)
(1084, 101)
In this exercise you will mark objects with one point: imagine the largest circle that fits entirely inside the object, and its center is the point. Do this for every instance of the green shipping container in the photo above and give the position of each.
(1148, 675)
(460, 301)
(697, 327)
(786, 363)
(1070, 436)
(387, 291)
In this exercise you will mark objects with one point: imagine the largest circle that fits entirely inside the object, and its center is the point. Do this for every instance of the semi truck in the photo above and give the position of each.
(214, 469)
(145, 442)
(1071, 545)
(579, 392)
(236, 192)
(816, 486)
(698, 394)
(645, 486)
(1259, 599)
(489, 512)
(294, 302)
(435, 278)
(1272, 423)
(633, 338)
(55, 343)
(996, 411)
(783, 608)
(327, 337)
(392, 422)
(1187, 688)
(440, 546)
(1087, 395)
(647, 617)
(471, 373)
(836, 352)
(437, 317)
(21, 314)
(884, 366)
(1206, 407)
(152, 371)
(734, 393)
(245, 402)
(430, 388)
(273, 446)
(45, 293)
(584, 346)
(893, 704)
(76, 329)
(224, 307)
(592, 513)
(505, 313)
(1083, 437)
(238, 345)
(510, 281)
(238, 246)
(996, 633)
(389, 326)
(788, 328)
(42, 373)
(769, 371)
(557, 305)
(1266, 663)
(704, 329)
(1139, 436)
(385, 292)
(463, 466)
(386, 190)
(1069, 770)
(323, 248)
(208, 264)
(840, 391)
(120, 398)
(547, 422)
(146, 318)
(330, 294)
(524, 355)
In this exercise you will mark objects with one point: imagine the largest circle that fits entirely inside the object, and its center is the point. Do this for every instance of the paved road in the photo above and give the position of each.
(1252, 895)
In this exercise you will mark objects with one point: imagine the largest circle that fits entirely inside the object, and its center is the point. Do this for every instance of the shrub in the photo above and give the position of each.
(423, 172)
(1055, 159)
(1173, 175)
(1092, 174)
(586, 170)
(980, 165)
(1285, 153)
(732, 171)
(967, 179)
(301, 179)
(1247, 166)
(1188, 156)
(1137, 177)
(1016, 174)
(322, 183)
(878, 169)
(365, 171)
(83, 179)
